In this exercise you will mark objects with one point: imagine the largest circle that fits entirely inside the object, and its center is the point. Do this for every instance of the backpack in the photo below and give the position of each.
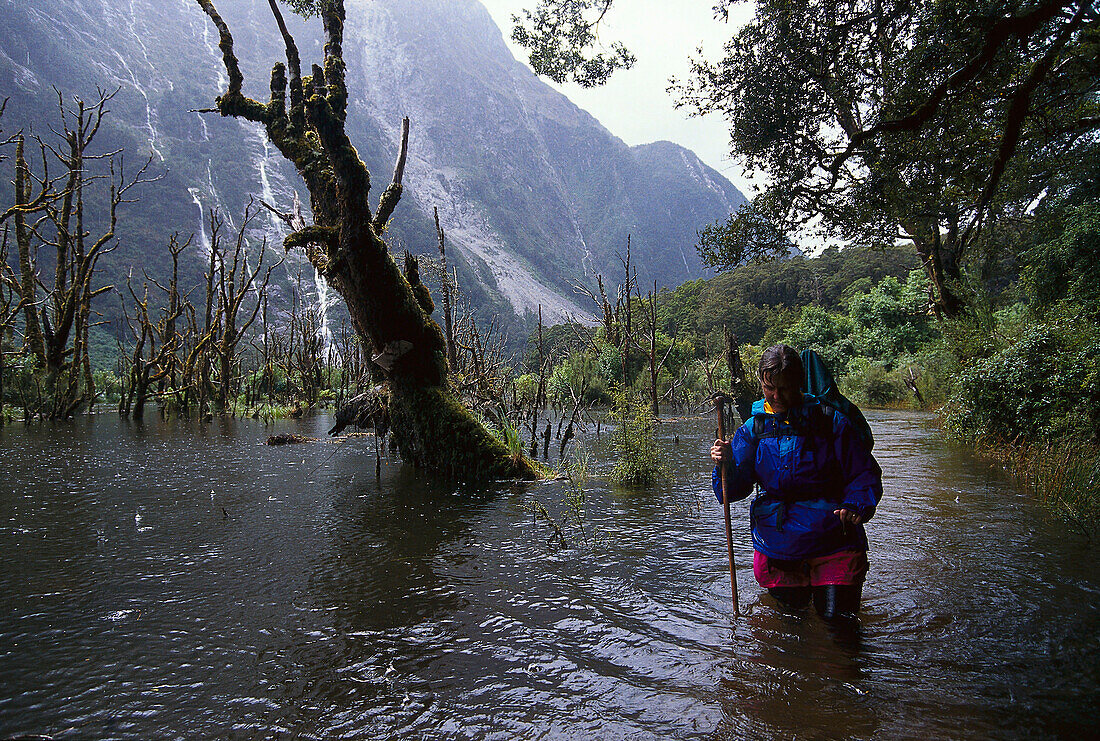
(821, 384)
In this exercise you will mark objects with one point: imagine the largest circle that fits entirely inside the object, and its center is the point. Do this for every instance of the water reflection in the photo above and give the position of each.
(185, 580)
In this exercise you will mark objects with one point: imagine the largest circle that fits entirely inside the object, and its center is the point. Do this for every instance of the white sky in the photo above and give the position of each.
(633, 105)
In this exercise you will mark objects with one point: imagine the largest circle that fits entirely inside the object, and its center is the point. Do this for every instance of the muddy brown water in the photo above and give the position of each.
(186, 581)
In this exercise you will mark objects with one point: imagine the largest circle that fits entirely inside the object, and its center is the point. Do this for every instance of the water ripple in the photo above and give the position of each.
(148, 601)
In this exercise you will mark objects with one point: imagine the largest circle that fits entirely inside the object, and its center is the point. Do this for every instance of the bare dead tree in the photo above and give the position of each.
(11, 305)
(741, 390)
(649, 308)
(618, 318)
(539, 399)
(911, 383)
(445, 290)
(574, 418)
(630, 281)
(236, 281)
(151, 361)
(57, 326)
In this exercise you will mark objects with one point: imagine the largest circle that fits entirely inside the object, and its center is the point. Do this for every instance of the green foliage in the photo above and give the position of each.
(1062, 268)
(757, 298)
(1044, 386)
(875, 349)
(579, 374)
(108, 385)
(891, 318)
(610, 363)
(746, 235)
(561, 36)
(638, 462)
(801, 300)
(308, 8)
(526, 388)
(829, 334)
(22, 386)
(869, 382)
(502, 428)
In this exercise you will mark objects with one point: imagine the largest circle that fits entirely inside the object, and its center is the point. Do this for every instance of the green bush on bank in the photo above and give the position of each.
(885, 343)
(1042, 388)
(1029, 389)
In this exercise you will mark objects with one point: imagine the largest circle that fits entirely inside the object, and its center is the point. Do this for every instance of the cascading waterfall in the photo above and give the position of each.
(150, 113)
(215, 53)
(192, 13)
(204, 238)
(277, 231)
(325, 300)
(149, 126)
(226, 216)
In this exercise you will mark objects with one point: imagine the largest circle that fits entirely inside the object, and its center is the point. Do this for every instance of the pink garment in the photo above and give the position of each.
(846, 568)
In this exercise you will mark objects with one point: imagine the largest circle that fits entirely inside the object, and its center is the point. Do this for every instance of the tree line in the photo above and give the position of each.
(966, 131)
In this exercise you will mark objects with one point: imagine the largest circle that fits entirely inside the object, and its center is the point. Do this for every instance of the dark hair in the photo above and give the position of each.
(780, 360)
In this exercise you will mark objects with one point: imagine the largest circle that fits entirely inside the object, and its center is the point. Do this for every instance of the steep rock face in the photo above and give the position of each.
(533, 193)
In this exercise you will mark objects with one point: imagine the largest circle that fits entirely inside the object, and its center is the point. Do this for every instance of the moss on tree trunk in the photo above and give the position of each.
(390, 310)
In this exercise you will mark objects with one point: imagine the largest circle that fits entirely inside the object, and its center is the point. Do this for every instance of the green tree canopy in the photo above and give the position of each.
(563, 43)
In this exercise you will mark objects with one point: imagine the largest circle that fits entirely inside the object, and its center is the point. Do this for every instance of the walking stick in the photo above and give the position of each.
(719, 403)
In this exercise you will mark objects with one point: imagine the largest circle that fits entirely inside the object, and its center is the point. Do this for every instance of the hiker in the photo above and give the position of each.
(818, 484)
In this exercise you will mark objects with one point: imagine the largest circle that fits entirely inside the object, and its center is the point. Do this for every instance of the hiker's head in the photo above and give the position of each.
(781, 375)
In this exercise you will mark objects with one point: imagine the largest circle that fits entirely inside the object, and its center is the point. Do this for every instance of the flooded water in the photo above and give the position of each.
(189, 582)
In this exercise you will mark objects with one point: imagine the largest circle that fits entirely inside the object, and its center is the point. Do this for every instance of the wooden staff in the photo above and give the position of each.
(719, 403)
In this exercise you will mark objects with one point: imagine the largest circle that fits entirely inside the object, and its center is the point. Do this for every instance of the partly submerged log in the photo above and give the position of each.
(289, 438)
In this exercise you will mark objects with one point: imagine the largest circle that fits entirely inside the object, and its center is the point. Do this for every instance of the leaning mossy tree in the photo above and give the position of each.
(390, 310)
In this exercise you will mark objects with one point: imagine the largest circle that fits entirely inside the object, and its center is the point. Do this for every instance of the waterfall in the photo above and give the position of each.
(204, 238)
(215, 53)
(189, 12)
(150, 113)
(277, 231)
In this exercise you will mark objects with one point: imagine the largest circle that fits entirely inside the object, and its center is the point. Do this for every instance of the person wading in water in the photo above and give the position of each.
(818, 484)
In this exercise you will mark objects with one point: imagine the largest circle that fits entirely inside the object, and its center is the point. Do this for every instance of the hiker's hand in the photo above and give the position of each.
(720, 451)
(848, 516)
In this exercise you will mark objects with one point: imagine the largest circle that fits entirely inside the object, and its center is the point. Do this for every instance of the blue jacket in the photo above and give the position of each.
(808, 462)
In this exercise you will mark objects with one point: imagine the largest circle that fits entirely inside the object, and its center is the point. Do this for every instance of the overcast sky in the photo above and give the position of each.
(634, 105)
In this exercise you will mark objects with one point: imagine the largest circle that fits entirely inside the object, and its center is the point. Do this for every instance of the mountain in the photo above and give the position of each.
(533, 192)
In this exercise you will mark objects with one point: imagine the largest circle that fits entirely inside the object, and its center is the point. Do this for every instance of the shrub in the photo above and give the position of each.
(892, 318)
(1045, 386)
(934, 368)
(829, 334)
(868, 382)
(638, 461)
